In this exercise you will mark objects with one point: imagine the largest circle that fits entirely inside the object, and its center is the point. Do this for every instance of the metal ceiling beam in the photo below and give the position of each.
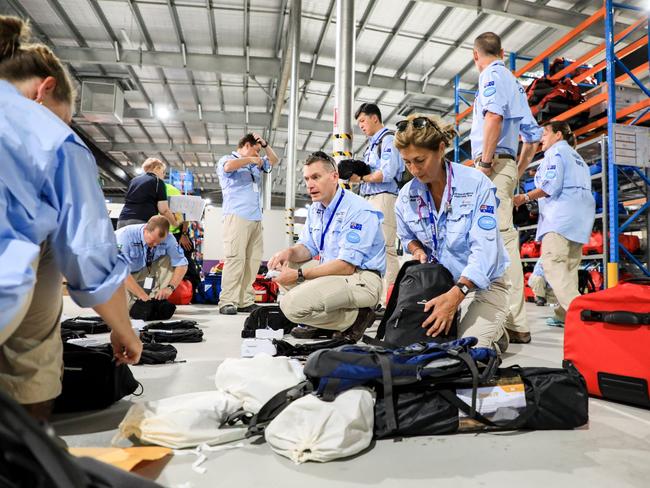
(528, 12)
(259, 66)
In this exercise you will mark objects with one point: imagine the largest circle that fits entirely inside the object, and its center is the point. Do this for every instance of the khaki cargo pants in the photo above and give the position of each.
(385, 203)
(161, 271)
(242, 246)
(561, 259)
(485, 315)
(31, 351)
(331, 302)
(504, 177)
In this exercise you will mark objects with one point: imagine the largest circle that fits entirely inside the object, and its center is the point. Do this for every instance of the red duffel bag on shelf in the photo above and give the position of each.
(607, 338)
(183, 293)
(531, 249)
(595, 244)
(266, 290)
(630, 242)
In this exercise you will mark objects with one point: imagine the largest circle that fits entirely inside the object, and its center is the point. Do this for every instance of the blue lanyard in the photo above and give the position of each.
(432, 219)
(236, 156)
(322, 236)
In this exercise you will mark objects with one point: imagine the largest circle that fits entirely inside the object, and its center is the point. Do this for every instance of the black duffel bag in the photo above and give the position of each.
(92, 380)
(415, 285)
(152, 309)
(175, 331)
(270, 317)
(556, 399)
(85, 325)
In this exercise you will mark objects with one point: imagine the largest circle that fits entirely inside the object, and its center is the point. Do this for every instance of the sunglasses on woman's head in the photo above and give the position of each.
(417, 123)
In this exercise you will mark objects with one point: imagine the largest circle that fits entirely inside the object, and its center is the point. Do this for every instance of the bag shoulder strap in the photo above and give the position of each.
(392, 301)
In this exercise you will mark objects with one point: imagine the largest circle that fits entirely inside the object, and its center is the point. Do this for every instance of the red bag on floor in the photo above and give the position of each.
(531, 249)
(607, 338)
(266, 291)
(595, 244)
(182, 294)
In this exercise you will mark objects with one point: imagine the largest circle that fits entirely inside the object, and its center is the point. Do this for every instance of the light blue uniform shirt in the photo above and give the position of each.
(354, 234)
(389, 163)
(467, 235)
(130, 240)
(241, 188)
(499, 92)
(49, 190)
(570, 209)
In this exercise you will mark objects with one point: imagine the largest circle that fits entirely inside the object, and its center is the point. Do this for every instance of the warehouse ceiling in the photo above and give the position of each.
(215, 67)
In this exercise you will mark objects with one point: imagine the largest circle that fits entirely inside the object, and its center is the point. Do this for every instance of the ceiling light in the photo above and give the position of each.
(139, 170)
(162, 112)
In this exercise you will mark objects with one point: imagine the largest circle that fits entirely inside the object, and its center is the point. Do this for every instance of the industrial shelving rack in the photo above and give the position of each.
(624, 179)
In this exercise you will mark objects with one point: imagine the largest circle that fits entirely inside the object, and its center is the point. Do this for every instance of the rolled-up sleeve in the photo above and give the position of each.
(484, 241)
(492, 93)
(390, 160)
(84, 243)
(266, 166)
(306, 239)
(174, 251)
(552, 171)
(357, 237)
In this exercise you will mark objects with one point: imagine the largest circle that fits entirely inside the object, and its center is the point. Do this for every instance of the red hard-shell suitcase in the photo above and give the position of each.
(607, 338)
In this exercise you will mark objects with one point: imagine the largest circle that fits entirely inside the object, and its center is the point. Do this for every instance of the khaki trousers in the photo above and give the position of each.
(242, 245)
(31, 351)
(538, 285)
(504, 177)
(385, 203)
(562, 259)
(485, 316)
(332, 302)
(161, 271)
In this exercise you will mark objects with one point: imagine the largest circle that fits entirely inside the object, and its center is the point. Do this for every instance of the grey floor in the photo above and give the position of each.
(612, 451)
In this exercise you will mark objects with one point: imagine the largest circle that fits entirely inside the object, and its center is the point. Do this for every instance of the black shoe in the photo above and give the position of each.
(519, 337)
(249, 309)
(502, 344)
(309, 332)
(228, 310)
(364, 320)
(540, 302)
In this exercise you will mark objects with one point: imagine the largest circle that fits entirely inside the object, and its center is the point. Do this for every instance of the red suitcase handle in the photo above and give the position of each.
(615, 317)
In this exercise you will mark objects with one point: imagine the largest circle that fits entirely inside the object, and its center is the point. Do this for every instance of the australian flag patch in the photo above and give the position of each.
(355, 226)
(487, 209)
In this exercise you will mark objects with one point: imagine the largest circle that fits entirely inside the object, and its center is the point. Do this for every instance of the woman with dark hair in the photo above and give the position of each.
(447, 214)
(566, 213)
(53, 221)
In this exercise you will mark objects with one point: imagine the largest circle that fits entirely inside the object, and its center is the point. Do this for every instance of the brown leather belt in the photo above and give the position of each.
(497, 156)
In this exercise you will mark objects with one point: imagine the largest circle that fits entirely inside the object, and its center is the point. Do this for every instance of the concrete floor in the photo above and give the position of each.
(612, 451)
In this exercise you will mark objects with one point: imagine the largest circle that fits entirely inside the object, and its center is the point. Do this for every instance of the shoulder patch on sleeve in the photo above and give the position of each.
(385, 155)
(353, 237)
(488, 92)
(487, 223)
(487, 209)
(489, 83)
(356, 226)
(550, 174)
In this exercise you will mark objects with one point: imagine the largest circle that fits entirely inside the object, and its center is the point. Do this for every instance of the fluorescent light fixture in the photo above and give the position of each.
(162, 112)
(139, 170)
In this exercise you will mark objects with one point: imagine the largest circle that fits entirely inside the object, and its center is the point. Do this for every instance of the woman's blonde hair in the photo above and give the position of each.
(21, 61)
(429, 137)
(152, 164)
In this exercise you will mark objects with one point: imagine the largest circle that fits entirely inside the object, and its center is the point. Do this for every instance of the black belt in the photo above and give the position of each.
(373, 271)
(498, 156)
(379, 193)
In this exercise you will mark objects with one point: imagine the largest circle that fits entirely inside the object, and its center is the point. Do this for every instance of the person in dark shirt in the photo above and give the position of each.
(146, 196)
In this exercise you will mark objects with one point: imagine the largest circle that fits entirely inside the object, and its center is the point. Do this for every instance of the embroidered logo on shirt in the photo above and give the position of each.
(353, 238)
(551, 174)
(487, 223)
(488, 92)
(385, 156)
(356, 226)
(487, 209)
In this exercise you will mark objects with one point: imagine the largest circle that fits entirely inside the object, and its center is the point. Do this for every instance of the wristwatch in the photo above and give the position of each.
(483, 164)
(464, 289)
(264, 145)
(301, 277)
(171, 286)
(526, 197)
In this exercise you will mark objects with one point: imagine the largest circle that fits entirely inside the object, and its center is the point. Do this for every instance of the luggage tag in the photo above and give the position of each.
(148, 283)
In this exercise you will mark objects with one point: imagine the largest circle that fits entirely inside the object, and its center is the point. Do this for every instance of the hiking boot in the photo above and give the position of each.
(518, 337)
(364, 319)
(502, 344)
(41, 411)
(309, 332)
(249, 309)
(228, 310)
(540, 302)
(553, 322)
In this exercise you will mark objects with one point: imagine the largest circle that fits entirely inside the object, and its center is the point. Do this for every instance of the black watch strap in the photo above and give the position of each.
(171, 286)
(301, 277)
(483, 164)
(464, 289)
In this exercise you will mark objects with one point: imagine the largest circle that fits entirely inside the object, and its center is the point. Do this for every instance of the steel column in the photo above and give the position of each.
(344, 79)
(294, 46)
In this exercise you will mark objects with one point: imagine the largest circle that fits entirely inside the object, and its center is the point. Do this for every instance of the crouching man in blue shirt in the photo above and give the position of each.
(345, 232)
(156, 260)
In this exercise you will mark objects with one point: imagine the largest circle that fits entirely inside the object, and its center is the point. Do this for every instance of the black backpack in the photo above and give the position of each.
(174, 331)
(152, 309)
(85, 325)
(406, 175)
(270, 317)
(31, 458)
(415, 284)
(92, 380)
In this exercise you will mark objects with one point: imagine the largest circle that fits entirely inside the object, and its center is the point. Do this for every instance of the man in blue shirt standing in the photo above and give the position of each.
(345, 232)
(501, 115)
(157, 264)
(240, 177)
(380, 187)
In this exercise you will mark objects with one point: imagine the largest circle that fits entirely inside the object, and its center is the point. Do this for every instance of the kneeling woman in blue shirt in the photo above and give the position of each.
(447, 214)
(566, 212)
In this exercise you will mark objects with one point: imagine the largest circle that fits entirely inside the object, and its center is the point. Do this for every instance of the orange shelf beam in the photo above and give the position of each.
(621, 113)
(638, 44)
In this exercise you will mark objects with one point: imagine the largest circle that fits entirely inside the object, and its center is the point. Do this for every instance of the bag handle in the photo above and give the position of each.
(616, 317)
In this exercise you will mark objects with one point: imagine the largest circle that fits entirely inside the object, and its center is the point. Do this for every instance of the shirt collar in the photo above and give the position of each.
(377, 136)
(421, 189)
(496, 62)
(236, 154)
(337, 195)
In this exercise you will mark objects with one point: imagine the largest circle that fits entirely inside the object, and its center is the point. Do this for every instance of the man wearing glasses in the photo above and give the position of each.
(501, 115)
(380, 187)
(240, 177)
(339, 295)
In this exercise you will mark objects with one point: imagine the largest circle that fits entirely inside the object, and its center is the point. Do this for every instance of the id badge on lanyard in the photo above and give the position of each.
(433, 221)
(327, 226)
